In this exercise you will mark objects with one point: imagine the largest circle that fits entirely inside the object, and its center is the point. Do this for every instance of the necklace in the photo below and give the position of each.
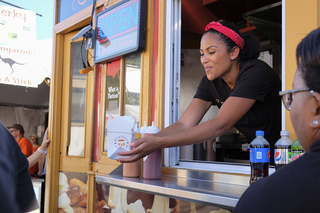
(20, 139)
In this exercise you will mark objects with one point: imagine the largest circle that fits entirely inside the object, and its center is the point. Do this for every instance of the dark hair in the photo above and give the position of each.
(251, 48)
(308, 59)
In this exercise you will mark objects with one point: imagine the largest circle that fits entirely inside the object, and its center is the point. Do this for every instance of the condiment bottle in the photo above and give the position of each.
(210, 150)
(143, 129)
(132, 169)
(152, 162)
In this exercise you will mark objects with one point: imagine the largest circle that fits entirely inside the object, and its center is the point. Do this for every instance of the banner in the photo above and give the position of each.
(19, 64)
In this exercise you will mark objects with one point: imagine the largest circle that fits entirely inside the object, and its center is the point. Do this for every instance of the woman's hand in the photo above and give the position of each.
(141, 148)
(45, 141)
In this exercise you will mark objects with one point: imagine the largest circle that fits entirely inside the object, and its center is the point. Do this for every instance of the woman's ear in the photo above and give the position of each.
(315, 122)
(235, 52)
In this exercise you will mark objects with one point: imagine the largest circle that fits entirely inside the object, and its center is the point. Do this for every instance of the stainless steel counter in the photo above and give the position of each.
(215, 189)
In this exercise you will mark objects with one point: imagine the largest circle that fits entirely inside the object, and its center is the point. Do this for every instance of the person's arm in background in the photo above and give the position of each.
(35, 157)
(41, 164)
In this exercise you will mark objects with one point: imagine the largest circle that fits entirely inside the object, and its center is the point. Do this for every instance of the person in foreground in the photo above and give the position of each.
(16, 190)
(296, 186)
(243, 87)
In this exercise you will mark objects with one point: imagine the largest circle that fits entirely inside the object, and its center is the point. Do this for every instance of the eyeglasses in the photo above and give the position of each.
(288, 95)
(12, 130)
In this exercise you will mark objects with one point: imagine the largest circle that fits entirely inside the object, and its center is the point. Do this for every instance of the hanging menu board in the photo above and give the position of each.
(120, 30)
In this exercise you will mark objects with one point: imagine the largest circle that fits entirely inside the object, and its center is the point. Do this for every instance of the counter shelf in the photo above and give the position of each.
(208, 188)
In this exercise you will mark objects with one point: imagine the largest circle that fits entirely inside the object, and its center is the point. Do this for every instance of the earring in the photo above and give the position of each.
(315, 122)
(231, 59)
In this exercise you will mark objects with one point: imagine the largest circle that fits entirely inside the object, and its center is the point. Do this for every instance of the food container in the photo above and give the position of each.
(121, 131)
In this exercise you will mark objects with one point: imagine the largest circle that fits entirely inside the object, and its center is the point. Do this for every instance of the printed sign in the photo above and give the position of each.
(19, 63)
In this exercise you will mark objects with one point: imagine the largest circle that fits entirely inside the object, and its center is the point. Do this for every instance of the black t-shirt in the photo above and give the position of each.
(256, 80)
(16, 190)
(294, 188)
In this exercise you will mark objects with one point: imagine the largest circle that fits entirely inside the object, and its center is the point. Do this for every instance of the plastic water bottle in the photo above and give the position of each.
(259, 157)
(296, 150)
(282, 150)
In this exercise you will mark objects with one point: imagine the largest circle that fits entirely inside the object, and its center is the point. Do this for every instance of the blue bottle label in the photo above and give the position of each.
(259, 155)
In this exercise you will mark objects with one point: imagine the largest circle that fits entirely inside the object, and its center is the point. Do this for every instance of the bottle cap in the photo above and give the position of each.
(143, 129)
(284, 133)
(137, 128)
(152, 129)
(259, 133)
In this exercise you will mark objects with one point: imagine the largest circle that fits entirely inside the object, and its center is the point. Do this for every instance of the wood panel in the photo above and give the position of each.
(146, 69)
(159, 93)
(54, 125)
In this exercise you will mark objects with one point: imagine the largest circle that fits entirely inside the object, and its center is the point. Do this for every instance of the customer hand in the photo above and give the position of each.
(141, 148)
(45, 141)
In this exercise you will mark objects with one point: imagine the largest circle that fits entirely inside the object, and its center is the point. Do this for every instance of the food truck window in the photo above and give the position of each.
(112, 95)
(132, 86)
(186, 71)
(130, 93)
(77, 97)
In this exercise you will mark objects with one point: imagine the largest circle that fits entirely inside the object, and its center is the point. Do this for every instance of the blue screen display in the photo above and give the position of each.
(117, 30)
(67, 8)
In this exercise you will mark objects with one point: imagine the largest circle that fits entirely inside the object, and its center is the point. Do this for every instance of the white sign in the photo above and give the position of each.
(19, 64)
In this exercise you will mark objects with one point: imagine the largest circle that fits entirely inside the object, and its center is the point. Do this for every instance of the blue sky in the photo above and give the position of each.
(43, 7)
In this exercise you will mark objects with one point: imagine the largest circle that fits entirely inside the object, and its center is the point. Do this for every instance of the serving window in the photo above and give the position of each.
(76, 107)
(187, 72)
(120, 94)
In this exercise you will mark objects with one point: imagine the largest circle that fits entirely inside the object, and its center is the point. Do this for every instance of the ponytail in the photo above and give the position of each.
(251, 49)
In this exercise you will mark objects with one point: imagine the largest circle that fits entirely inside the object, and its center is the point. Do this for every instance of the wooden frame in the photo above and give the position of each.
(146, 70)
(159, 111)
(67, 162)
(60, 88)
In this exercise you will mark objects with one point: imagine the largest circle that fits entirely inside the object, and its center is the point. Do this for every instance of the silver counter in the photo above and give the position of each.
(214, 189)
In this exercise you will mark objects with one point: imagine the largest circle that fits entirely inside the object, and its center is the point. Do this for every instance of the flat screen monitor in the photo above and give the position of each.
(120, 30)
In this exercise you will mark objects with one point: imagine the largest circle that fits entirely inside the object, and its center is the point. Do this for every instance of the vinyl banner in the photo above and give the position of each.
(18, 60)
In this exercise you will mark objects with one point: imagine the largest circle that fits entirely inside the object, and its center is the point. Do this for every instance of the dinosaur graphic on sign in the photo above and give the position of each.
(11, 62)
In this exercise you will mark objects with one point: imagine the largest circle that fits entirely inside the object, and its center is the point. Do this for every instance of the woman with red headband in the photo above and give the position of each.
(244, 88)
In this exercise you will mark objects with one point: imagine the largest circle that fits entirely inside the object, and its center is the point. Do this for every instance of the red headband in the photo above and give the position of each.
(227, 32)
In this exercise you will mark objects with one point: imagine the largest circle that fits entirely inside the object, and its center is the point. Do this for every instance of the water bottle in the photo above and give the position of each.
(152, 162)
(296, 150)
(259, 157)
(282, 150)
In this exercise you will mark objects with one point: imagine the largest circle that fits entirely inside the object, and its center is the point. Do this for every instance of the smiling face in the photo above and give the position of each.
(214, 56)
(301, 112)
